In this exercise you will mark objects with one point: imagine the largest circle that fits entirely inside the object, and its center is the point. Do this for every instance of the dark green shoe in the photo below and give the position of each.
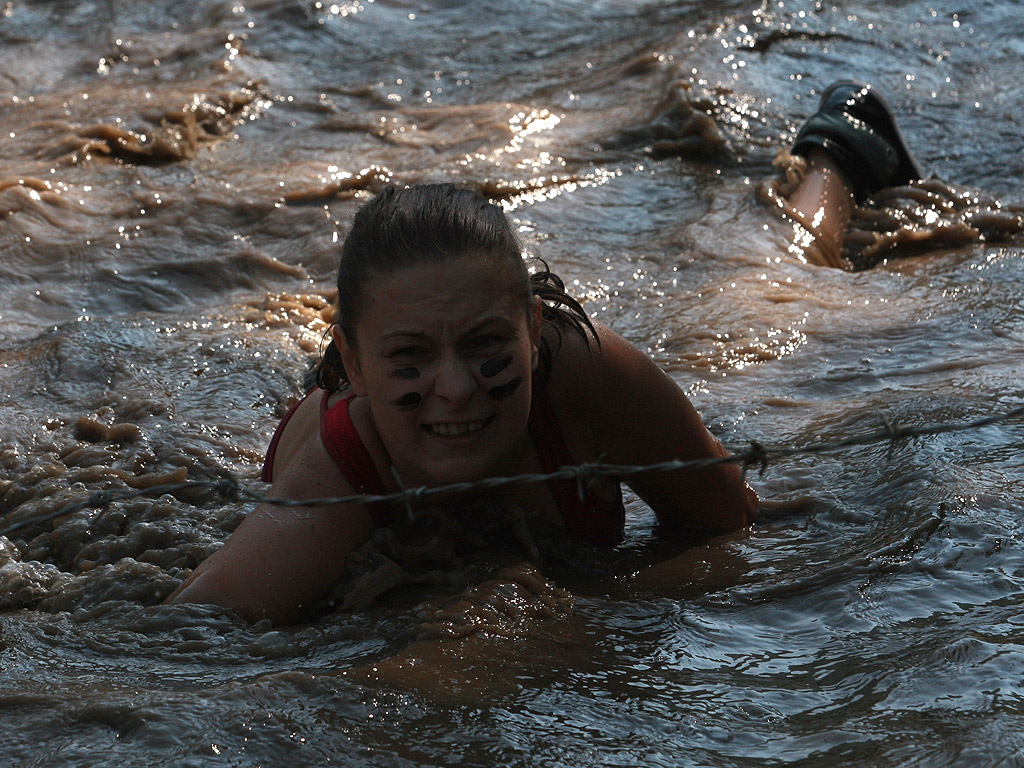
(855, 126)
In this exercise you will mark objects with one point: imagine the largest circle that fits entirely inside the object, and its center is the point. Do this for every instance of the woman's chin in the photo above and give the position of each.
(443, 459)
(450, 464)
(433, 474)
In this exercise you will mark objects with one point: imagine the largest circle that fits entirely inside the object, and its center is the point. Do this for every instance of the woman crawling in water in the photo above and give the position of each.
(450, 362)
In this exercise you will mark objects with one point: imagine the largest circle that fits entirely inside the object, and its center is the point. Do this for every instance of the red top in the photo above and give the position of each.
(585, 513)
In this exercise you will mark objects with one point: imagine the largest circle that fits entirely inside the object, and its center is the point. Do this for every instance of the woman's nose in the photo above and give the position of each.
(455, 381)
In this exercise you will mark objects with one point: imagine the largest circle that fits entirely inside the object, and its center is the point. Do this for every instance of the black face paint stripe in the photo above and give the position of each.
(495, 365)
(503, 391)
(409, 401)
(406, 373)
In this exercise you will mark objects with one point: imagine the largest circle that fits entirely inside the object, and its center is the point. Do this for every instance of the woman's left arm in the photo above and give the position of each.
(630, 412)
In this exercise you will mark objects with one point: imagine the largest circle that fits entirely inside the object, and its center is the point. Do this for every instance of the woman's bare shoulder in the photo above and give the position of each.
(590, 375)
(617, 395)
(299, 428)
(591, 380)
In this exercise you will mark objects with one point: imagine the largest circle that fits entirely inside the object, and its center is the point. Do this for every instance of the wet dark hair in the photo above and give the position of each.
(432, 224)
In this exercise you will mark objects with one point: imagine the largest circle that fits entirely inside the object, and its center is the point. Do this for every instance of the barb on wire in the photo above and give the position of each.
(755, 454)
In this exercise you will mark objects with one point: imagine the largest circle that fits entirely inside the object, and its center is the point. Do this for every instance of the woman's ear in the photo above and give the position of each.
(350, 360)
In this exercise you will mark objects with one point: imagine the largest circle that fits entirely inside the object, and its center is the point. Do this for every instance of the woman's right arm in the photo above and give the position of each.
(282, 560)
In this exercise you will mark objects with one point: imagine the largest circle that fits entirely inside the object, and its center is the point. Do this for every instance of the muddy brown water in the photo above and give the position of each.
(174, 182)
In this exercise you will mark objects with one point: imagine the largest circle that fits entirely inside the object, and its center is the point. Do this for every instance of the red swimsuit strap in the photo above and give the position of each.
(268, 461)
(346, 449)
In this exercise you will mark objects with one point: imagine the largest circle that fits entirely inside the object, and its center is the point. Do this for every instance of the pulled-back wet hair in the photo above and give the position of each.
(432, 224)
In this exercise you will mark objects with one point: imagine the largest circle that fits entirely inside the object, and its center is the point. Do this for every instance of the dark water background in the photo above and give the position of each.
(174, 179)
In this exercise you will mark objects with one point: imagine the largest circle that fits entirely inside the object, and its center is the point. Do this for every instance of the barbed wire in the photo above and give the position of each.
(756, 454)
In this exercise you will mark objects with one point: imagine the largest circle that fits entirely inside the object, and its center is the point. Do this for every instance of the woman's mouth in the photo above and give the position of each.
(456, 428)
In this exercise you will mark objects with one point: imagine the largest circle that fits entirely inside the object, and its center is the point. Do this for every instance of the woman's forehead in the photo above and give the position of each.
(462, 292)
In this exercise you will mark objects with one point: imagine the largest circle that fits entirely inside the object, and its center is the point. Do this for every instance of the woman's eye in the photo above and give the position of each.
(488, 341)
(408, 351)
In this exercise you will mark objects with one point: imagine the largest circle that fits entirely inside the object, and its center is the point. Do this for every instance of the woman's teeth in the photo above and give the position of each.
(450, 430)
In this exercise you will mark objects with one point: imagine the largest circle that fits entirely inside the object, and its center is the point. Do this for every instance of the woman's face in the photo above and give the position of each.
(444, 353)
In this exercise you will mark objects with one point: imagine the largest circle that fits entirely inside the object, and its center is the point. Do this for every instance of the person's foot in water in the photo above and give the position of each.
(856, 127)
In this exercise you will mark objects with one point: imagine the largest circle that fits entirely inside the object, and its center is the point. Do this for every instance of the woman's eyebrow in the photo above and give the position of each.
(488, 321)
(498, 319)
(402, 334)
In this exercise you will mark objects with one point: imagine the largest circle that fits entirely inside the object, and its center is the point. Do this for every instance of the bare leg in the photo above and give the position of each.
(818, 207)
(824, 199)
